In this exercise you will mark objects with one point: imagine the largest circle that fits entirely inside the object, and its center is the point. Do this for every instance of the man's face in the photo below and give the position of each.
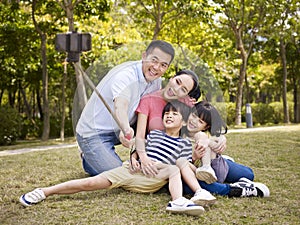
(155, 64)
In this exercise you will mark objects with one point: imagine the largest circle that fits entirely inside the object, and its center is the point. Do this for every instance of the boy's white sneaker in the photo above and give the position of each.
(184, 206)
(203, 197)
(206, 173)
(32, 197)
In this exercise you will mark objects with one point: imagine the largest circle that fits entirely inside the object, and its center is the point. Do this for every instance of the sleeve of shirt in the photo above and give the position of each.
(144, 106)
(123, 84)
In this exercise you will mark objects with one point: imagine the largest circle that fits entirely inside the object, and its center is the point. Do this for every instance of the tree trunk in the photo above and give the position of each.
(46, 114)
(243, 68)
(239, 98)
(46, 121)
(1, 96)
(39, 104)
(27, 105)
(295, 101)
(286, 118)
(63, 103)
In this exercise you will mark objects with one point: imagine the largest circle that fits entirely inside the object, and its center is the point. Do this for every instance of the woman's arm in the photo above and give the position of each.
(146, 163)
(218, 144)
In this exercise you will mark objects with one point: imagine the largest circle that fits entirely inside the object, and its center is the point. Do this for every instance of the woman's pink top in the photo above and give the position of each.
(152, 106)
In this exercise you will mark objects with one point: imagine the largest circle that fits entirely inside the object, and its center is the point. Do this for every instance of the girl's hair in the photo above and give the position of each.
(209, 114)
(195, 92)
(177, 106)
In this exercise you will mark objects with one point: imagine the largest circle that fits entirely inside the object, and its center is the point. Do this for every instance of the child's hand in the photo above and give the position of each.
(218, 144)
(199, 151)
(149, 169)
(135, 166)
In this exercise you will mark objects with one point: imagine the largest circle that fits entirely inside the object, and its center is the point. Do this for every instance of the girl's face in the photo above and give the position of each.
(178, 87)
(195, 124)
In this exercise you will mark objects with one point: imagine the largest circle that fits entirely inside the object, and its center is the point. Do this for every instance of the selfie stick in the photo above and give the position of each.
(91, 84)
(74, 43)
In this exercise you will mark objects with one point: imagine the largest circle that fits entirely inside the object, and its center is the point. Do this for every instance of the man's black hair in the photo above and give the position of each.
(162, 45)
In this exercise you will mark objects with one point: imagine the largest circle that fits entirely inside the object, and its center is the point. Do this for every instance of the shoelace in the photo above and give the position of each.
(34, 196)
(248, 189)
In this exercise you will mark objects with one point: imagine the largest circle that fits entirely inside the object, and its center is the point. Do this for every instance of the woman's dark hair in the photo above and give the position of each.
(177, 106)
(209, 114)
(195, 92)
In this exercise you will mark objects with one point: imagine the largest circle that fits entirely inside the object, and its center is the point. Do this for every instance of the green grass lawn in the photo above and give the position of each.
(273, 155)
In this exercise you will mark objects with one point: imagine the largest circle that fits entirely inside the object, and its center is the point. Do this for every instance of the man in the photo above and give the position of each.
(122, 88)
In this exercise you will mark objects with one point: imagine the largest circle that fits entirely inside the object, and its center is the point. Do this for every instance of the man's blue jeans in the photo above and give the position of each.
(99, 152)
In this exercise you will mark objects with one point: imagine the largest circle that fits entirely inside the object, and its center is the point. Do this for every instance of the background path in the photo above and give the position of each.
(38, 148)
(63, 146)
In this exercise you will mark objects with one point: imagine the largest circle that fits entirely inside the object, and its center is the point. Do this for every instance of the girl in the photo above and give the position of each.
(238, 178)
(205, 117)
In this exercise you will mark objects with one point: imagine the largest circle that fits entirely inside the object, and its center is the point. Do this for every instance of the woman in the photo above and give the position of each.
(183, 86)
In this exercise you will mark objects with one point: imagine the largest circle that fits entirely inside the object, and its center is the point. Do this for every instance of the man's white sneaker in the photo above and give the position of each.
(32, 197)
(247, 188)
(184, 206)
(203, 197)
(206, 173)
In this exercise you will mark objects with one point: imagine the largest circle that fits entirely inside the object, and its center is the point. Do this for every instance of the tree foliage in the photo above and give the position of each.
(218, 39)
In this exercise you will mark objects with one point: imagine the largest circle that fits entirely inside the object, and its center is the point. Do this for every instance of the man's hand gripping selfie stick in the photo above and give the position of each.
(91, 84)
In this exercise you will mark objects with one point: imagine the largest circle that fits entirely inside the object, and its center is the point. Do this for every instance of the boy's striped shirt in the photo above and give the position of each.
(167, 149)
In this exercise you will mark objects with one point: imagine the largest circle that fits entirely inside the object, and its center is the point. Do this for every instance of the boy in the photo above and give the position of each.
(163, 147)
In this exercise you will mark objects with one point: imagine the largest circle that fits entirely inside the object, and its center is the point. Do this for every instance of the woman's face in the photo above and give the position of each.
(195, 124)
(178, 87)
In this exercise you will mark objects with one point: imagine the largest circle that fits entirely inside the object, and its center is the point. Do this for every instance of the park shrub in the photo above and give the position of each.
(55, 127)
(278, 116)
(261, 113)
(31, 128)
(230, 106)
(10, 125)
(278, 112)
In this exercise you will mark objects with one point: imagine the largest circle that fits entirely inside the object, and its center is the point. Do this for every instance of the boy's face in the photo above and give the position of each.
(173, 120)
(155, 64)
(178, 87)
(195, 124)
